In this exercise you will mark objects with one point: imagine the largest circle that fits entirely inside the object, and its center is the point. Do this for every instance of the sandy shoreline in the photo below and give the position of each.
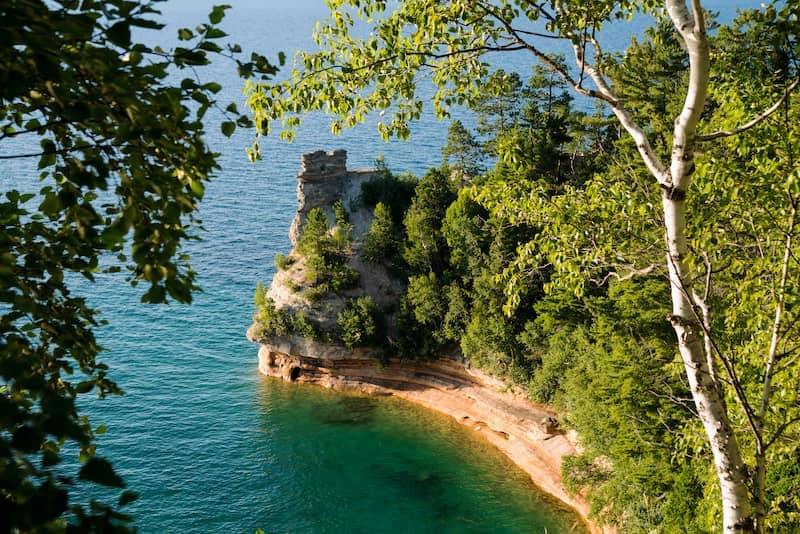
(519, 428)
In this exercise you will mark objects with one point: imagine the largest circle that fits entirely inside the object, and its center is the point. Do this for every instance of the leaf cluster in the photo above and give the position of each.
(122, 161)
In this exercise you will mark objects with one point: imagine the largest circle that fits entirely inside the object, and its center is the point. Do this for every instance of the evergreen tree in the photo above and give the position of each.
(462, 154)
(426, 250)
(380, 243)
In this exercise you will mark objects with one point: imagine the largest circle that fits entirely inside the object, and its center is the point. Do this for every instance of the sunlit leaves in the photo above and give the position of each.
(122, 153)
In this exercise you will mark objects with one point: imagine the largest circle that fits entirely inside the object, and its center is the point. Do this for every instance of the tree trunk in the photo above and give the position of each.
(706, 392)
(736, 512)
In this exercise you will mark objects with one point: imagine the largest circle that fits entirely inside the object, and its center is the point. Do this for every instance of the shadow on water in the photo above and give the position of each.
(348, 410)
(423, 486)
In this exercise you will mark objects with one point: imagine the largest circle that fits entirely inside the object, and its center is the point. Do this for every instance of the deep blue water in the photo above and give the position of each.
(211, 445)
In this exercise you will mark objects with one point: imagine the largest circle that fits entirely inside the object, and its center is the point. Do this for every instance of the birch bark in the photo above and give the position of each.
(708, 399)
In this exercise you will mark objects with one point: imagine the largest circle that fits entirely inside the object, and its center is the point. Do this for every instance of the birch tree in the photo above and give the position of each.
(446, 42)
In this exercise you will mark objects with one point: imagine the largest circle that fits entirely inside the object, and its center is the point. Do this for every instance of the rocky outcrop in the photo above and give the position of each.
(527, 433)
(322, 181)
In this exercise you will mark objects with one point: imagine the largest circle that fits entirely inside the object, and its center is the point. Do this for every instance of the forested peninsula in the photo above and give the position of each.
(634, 268)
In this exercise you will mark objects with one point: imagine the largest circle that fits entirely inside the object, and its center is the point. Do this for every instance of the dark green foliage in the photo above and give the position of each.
(392, 191)
(462, 154)
(414, 341)
(533, 130)
(426, 249)
(457, 315)
(612, 370)
(381, 243)
(465, 231)
(359, 323)
(326, 251)
(118, 135)
(428, 302)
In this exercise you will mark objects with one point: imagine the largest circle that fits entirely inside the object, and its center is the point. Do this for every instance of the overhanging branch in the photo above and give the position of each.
(755, 121)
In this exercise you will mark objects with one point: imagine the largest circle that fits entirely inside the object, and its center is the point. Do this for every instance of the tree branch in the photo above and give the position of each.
(63, 150)
(779, 432)
(702, 303)
(726, 363)
(699, 18)
(651, 160)
(776, 326)
(756, 120)
(629, 275)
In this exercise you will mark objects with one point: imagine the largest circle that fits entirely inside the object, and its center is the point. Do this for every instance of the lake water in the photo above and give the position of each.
(214, 447)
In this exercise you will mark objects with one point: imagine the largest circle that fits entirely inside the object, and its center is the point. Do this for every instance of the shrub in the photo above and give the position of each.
(283, 262)
(271, 320)
(315, 294)
(340, 239)
(315, 269)
(315, 230)
(302, 325)
(344, 277)
(359, 322)
(340, 213)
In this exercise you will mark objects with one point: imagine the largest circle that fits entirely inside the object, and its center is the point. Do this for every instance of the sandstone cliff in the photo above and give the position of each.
(525, 432)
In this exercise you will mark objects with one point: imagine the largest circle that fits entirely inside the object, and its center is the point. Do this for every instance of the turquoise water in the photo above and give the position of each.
(212, 446)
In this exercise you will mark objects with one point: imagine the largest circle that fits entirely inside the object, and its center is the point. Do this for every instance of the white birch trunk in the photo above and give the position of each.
(707, 394)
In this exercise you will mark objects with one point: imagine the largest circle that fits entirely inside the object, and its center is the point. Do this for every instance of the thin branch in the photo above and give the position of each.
(726, 363)
(755, 121)
(702, 303)
(46, 126)
(699, 18)
(345, 69)
(631, 274)
(63, 150)
(605, 93)
(776, 326)
(779, 432)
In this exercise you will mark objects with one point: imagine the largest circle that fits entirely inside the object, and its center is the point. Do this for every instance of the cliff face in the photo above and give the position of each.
(525, 432)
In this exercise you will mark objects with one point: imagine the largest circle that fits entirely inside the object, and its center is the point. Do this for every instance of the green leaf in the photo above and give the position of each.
(215, 33)
(85, 386)
(100, 471)
(120, 34)
(127, 497)
(228, 127)
(217, 14)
